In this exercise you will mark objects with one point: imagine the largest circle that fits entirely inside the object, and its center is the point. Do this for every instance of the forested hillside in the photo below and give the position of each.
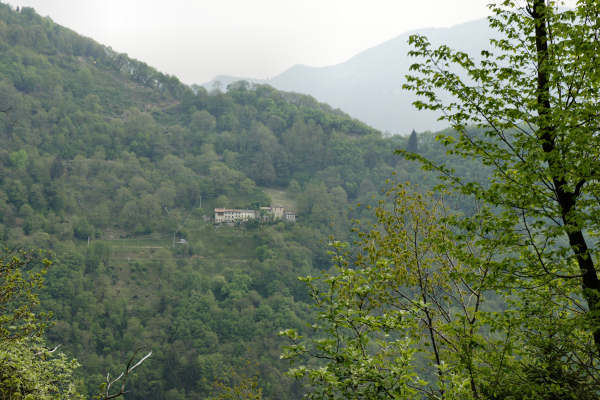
(369, 85)
(105, 163)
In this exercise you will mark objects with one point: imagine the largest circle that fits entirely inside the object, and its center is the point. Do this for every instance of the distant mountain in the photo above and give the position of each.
(369, 85)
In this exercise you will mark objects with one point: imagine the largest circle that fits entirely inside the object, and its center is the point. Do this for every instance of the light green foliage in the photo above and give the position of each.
(28, 370)
(528, 112)
(237, 387)
(418, 308)
(403, 295)
(19, 159)
(20, 282)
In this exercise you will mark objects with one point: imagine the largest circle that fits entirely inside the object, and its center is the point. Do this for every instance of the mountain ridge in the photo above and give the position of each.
(368, 85)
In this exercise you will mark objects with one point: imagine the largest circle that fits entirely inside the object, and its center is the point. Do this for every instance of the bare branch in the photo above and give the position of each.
(123, 375)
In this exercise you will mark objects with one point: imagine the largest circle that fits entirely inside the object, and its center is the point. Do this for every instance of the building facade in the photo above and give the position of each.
(289, 216)
(231, 215)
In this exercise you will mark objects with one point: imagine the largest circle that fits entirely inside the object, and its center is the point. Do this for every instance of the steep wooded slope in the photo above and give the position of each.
(104, 161)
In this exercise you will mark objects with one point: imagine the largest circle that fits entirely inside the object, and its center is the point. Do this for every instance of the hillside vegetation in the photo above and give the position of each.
(105, 161)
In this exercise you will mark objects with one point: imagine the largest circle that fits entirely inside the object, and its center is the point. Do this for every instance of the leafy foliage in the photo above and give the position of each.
(501, 300)
(18, 297)
(28, 370)
(403, 296)
(535, 106)
(417, 309)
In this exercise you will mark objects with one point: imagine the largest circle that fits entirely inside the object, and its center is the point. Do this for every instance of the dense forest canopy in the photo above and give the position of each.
(105, 162)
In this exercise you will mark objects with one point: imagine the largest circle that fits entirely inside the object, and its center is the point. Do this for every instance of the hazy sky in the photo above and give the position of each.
(198, 39)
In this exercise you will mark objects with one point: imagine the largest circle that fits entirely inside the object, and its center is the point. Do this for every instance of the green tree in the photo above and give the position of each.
(413, 143)
(528, 111)
(28, 370)
(238, 387)
(417, 310)
(504, 301)
(21, 277)
(203, 122)
(19, 159)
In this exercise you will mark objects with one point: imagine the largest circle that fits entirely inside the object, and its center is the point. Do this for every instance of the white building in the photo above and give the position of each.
(289, 216)
(275, 212)
(233, 215)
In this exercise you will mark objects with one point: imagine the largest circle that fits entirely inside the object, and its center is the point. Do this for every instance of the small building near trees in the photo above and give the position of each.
(231, 215)
(270, 213)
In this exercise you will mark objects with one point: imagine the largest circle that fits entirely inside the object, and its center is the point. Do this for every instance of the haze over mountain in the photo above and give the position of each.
(369, 85)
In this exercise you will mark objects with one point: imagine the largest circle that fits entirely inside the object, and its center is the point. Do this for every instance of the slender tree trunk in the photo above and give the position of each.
(566, 199)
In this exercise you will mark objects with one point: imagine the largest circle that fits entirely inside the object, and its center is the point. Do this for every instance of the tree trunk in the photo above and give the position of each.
(566, 199)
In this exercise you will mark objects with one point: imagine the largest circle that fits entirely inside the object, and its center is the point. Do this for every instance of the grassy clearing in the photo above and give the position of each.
(137, 243)
(280, 198)
(210, 241)
(225, 241)
(123, 251)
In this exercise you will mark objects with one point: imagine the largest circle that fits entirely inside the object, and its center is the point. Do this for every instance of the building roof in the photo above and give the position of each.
(231, 210)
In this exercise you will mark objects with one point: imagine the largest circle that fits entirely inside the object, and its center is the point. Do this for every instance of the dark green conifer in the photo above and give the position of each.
(413, 143)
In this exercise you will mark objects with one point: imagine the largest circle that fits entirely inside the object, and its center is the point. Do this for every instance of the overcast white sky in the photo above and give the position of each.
(198, 39)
